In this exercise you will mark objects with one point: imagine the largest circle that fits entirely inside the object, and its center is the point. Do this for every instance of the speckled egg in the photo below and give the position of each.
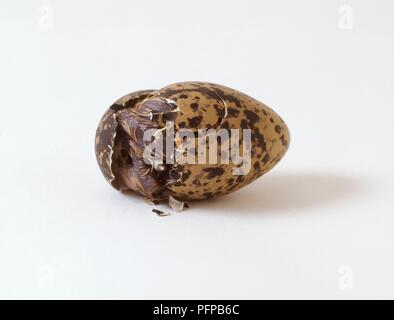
(190, 106)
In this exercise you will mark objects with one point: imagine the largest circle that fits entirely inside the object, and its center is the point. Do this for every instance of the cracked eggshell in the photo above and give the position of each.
(106, 134)
(194, 105)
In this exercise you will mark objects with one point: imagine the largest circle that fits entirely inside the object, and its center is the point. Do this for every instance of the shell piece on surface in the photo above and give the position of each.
(161, 213)
(176, 204)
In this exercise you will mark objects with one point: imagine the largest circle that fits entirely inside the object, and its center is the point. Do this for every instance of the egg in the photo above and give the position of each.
(188, 141)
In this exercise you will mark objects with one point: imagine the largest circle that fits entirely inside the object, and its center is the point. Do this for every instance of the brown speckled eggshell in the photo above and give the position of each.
(207, 105)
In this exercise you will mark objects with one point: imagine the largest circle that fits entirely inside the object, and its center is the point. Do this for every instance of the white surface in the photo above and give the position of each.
(320, 225)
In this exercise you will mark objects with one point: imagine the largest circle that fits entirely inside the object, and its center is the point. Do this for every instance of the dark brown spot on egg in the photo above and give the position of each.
(214, 172)
(194, 122)
(219, 111)
(244, 124)
(266, 158)
(251, 116)
(208, 195)
(259, 137)
(283, 140)
(233, 112)
(194, 106)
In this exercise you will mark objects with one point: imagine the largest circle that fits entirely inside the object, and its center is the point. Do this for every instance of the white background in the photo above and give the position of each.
(320, 225)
